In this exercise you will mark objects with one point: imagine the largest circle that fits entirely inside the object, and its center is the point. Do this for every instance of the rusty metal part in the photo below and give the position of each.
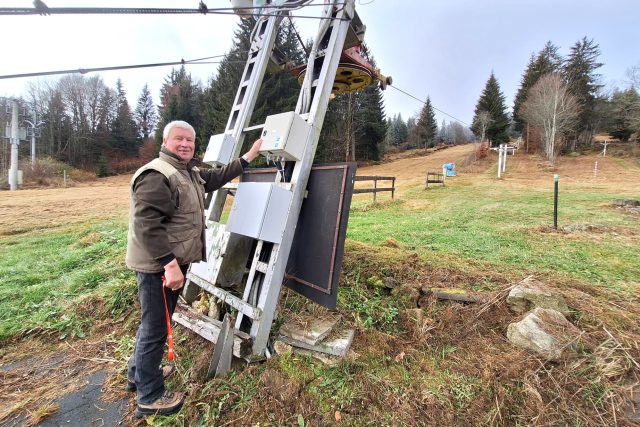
(349, 78)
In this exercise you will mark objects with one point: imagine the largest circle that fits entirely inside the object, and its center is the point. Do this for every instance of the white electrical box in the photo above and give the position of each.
(260, 210)
(220, 150)
(285, 135)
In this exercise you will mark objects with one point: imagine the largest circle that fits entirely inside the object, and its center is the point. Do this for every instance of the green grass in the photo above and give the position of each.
(504, 227)
(46, 277)
(61, 281)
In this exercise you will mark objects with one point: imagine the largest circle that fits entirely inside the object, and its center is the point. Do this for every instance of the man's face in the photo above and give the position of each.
(181, 142)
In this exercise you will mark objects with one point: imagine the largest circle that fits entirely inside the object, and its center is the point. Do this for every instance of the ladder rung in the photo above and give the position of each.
(209, 329)
(250, 128)
(227, 298)
(262, 267)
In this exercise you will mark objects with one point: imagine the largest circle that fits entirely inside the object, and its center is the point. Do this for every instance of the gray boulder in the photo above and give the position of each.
(544, 332)
(531, 293)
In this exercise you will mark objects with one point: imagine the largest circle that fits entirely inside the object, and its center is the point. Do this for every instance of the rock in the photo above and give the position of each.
(390, 282)
(570, 228)
(452, 294)
(545, 332)
(281, 347)
(531, 293)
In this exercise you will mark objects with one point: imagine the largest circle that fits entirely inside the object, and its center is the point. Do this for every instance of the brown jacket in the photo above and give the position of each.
(166, 216)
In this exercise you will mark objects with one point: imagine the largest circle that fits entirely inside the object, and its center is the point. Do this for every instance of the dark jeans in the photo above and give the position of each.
(144, 364)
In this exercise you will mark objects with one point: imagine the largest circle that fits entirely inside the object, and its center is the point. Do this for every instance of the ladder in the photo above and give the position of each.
(228, 253)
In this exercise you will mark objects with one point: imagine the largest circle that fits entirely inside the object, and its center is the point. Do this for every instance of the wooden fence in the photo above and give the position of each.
(435, 178)
(375, 188)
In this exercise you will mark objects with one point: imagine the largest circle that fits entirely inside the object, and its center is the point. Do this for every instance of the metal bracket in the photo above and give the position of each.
(223, 353)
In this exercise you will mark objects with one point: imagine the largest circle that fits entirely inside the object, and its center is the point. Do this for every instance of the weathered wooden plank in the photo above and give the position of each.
(372, 190)
(209, 329)
(374, 178)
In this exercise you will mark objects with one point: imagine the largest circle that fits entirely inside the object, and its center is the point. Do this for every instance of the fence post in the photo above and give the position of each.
(393, 187)
(375, 186)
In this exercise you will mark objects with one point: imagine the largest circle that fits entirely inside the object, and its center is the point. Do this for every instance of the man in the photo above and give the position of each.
(166, 234)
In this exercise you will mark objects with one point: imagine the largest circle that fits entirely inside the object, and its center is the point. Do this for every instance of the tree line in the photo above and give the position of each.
(560, 103)
(92, 126)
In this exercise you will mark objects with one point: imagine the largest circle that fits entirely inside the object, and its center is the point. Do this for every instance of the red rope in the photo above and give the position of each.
(171, 355)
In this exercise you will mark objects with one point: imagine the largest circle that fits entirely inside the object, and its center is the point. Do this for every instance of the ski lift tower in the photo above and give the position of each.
(260, 229)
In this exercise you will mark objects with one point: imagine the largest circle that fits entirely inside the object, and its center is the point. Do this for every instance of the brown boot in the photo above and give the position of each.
(168, 403)
(167, 370)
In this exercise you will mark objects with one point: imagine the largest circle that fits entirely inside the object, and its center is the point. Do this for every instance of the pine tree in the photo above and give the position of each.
(180, 99)
(145, 114)
(355, 127)
(370, 140)
(123, 128)
(442, 135)
(492, 101)
(625, 113)
(547, 61)
(279, 90)
(580, 72)
(427, 128)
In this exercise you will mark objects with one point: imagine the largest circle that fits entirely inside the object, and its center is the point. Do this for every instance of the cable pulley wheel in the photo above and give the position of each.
(349, 78)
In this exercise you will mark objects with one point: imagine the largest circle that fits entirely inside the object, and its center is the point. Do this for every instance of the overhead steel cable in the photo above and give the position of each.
(118, 67)
(154, 11)
(424, 102)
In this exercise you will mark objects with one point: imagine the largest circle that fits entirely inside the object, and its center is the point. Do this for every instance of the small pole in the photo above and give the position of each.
(33, 136)
(393, 187)
(64, 177)
(375, 186)
(15, 140)
(504, 159)
(499, 160)
(595, 170)
(556, 178)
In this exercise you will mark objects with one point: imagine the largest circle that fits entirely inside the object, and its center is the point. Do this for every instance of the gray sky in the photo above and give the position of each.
(444, 49)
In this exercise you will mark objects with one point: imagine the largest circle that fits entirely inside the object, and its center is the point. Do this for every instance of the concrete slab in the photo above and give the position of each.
(337, 345)
(311, 333)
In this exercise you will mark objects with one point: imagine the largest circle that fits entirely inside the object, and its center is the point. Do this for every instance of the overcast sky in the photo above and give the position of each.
(444, 49)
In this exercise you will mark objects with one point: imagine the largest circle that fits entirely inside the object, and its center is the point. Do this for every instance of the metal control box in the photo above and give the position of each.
(285, 135)
(220, 150)
(260, 210)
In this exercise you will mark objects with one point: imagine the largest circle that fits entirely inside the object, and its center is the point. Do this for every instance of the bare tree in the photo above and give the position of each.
(553, 111)
(484, 120)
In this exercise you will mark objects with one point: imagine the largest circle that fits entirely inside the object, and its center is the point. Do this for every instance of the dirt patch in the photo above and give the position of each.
(35, 209)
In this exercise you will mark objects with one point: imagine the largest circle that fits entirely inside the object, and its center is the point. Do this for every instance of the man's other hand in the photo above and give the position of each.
(174, 279)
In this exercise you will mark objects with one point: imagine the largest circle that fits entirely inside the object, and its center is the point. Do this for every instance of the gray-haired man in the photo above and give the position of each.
(166, 234)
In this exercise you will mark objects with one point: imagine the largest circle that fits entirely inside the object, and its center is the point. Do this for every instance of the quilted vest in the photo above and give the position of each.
(185, 230)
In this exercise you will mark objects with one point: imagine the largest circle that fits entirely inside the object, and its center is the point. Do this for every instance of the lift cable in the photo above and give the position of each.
(424, 102)
(203, 9)
(120, 67)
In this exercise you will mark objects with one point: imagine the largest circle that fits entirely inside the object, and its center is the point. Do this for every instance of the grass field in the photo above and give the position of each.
(443, 364)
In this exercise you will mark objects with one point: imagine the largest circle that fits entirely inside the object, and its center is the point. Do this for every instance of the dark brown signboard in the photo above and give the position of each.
(315, 260)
